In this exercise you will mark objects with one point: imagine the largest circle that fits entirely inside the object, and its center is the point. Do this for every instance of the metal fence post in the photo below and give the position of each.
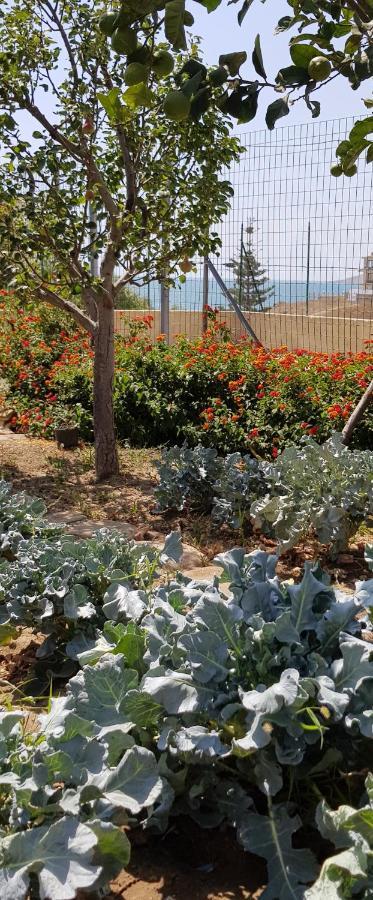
(165, 311)
(205, 293)
(308, 267)
(233, 302)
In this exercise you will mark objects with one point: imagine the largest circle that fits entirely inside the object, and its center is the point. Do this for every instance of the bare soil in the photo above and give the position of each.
(188, 863)
(66, 481)
(331, 306)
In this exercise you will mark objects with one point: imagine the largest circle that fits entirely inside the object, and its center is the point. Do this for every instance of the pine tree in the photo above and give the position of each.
(252, 289)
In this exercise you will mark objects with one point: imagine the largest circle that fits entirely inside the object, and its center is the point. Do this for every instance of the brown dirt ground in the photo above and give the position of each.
(186, 863)
(65, 480)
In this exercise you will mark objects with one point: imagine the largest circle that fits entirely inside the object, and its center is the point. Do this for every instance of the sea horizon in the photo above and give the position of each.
(189, 295)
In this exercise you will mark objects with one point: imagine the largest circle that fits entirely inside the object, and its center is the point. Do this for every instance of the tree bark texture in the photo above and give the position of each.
(357, 415)
(103, 413)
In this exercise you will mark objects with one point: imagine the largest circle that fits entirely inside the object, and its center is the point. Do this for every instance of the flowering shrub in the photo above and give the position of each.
(232, 396)
(34, 343)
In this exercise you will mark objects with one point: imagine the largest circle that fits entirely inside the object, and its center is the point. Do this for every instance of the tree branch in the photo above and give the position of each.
(58, 23)
(127, 159)
(74, 149)
(67, 306)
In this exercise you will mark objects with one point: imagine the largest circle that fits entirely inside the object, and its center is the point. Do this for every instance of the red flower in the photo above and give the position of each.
(275, 452)
(253, 433)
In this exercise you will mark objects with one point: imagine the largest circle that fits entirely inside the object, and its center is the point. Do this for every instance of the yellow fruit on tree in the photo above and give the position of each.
(135, 73)
(319, 68)
(186, 265)
(176, 106)
(163, 64)
(124, 40)
(108, 23)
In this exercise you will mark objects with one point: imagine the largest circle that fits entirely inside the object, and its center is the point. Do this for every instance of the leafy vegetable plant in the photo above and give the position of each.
(254, 711)
(326, 489)
(65, 587)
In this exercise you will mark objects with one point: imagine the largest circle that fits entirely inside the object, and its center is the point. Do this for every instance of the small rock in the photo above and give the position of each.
(85, 528)
(146, 534)
(69, 517)
(191, 558)
(344, 559)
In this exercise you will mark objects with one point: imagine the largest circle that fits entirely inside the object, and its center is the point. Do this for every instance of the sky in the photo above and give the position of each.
(222, 34)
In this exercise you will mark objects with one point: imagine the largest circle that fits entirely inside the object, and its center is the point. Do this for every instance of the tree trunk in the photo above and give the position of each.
(103, 413)
(357, 414)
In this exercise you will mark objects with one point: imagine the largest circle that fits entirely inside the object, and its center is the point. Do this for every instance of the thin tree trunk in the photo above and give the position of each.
(103, 414)
(357, 415)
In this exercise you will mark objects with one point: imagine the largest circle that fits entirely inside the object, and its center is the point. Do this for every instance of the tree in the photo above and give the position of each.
(317, 57)
(154, 184)
(252, 288)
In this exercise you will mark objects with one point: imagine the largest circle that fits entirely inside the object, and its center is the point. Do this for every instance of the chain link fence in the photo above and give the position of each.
(296, 247)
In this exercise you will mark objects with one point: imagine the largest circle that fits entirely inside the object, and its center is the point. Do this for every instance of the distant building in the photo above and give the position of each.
(367, 279)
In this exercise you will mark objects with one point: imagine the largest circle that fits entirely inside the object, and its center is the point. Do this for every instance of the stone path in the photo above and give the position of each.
(192, 561)
(79, 526)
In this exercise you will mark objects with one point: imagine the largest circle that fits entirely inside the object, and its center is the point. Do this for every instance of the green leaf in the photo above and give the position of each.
(191, 85)
(292, 75)
(113, 850)
(111, 104)
(302, 54)
(99, 690)
(275, 111)
(244, 9)
(135, 783)
(258, 59)
(361, 130)
(138, 95)
(271, 837)
(206, 654)
(210, 5)
(177, 692)
(174, 24)
(60, 856)
(370, 154)
(140, 708)
(233, 61)
(340, 874)
(132, 645)
(120, 603)
(7, 634)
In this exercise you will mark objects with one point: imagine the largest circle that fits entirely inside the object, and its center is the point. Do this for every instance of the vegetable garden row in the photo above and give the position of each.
(253, 711)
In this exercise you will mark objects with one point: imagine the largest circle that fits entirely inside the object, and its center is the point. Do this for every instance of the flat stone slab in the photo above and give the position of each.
(6, 435)
(208, 573)
(80, 527)
(190, 559)
(69, 517)
(85, 528)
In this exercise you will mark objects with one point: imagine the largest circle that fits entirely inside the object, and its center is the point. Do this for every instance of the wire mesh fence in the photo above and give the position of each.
(296, 246)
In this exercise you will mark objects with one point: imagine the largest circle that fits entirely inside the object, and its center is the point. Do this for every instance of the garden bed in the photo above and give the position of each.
(66, 481)
(252, 707)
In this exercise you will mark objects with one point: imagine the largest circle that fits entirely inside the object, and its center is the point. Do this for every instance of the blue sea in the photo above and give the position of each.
(189, 295)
